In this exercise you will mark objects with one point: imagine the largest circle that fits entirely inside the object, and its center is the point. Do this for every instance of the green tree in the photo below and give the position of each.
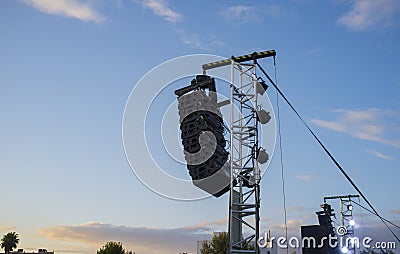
(218, 244)
(9, 242)
(113, 248)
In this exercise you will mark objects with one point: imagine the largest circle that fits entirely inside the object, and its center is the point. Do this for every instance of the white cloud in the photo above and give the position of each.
(193, 40)
(8, 229)
(370, 13)
(304, 178)
(239, 14)
(138, 239)
(218, 43)
(296, 208)
(335, 126)
(248, 14)
(397, 211)
(209, 225)
(380, 155)
(313, 51)
(67, 8)
(276, 11)
(160, 8)
(372, 124)
(293, 227)
(204, 43)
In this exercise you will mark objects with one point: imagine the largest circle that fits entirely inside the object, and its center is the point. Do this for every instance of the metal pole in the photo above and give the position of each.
(231, 199)
(256, 168)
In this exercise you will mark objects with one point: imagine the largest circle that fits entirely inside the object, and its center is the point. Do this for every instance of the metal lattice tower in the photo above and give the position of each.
(346, 214)
(244, 200)
(245, 152)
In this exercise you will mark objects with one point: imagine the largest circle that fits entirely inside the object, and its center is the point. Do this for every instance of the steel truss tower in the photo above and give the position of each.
(346, 214)
(245, 174)
(245, 152)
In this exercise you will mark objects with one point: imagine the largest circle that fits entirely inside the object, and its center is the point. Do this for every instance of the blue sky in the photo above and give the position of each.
(68, 67)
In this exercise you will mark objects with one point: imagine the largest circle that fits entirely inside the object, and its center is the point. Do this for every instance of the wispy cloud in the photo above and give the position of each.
(192, 40)
(313, 51)
(8, 229)
(397, 211)
(139, 239)
(276, 11)
(335, 126)
(209, 225)
(240, 14)
(292, 225)
(367, 14)
(204, 43)
(380, 155)
(68, 8)
(160, 8)
(372, 124)
(304, 178)
(248, 14)
(296, 208)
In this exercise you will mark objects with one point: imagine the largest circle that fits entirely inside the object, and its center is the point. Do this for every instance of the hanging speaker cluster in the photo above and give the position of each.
(202, 133)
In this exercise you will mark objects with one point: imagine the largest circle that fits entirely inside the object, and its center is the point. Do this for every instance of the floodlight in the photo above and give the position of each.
(352, 222)
(263, 116)
(262, 156)
(248, 181)
(350, 207)
(261, 87)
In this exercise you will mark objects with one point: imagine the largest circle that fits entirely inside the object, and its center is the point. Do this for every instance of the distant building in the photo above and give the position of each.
(40, 251)
(199, 246)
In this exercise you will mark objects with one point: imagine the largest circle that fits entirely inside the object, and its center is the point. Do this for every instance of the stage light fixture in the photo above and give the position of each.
(261, 87)
(350, 207)
(263, 116)
(262, 156)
